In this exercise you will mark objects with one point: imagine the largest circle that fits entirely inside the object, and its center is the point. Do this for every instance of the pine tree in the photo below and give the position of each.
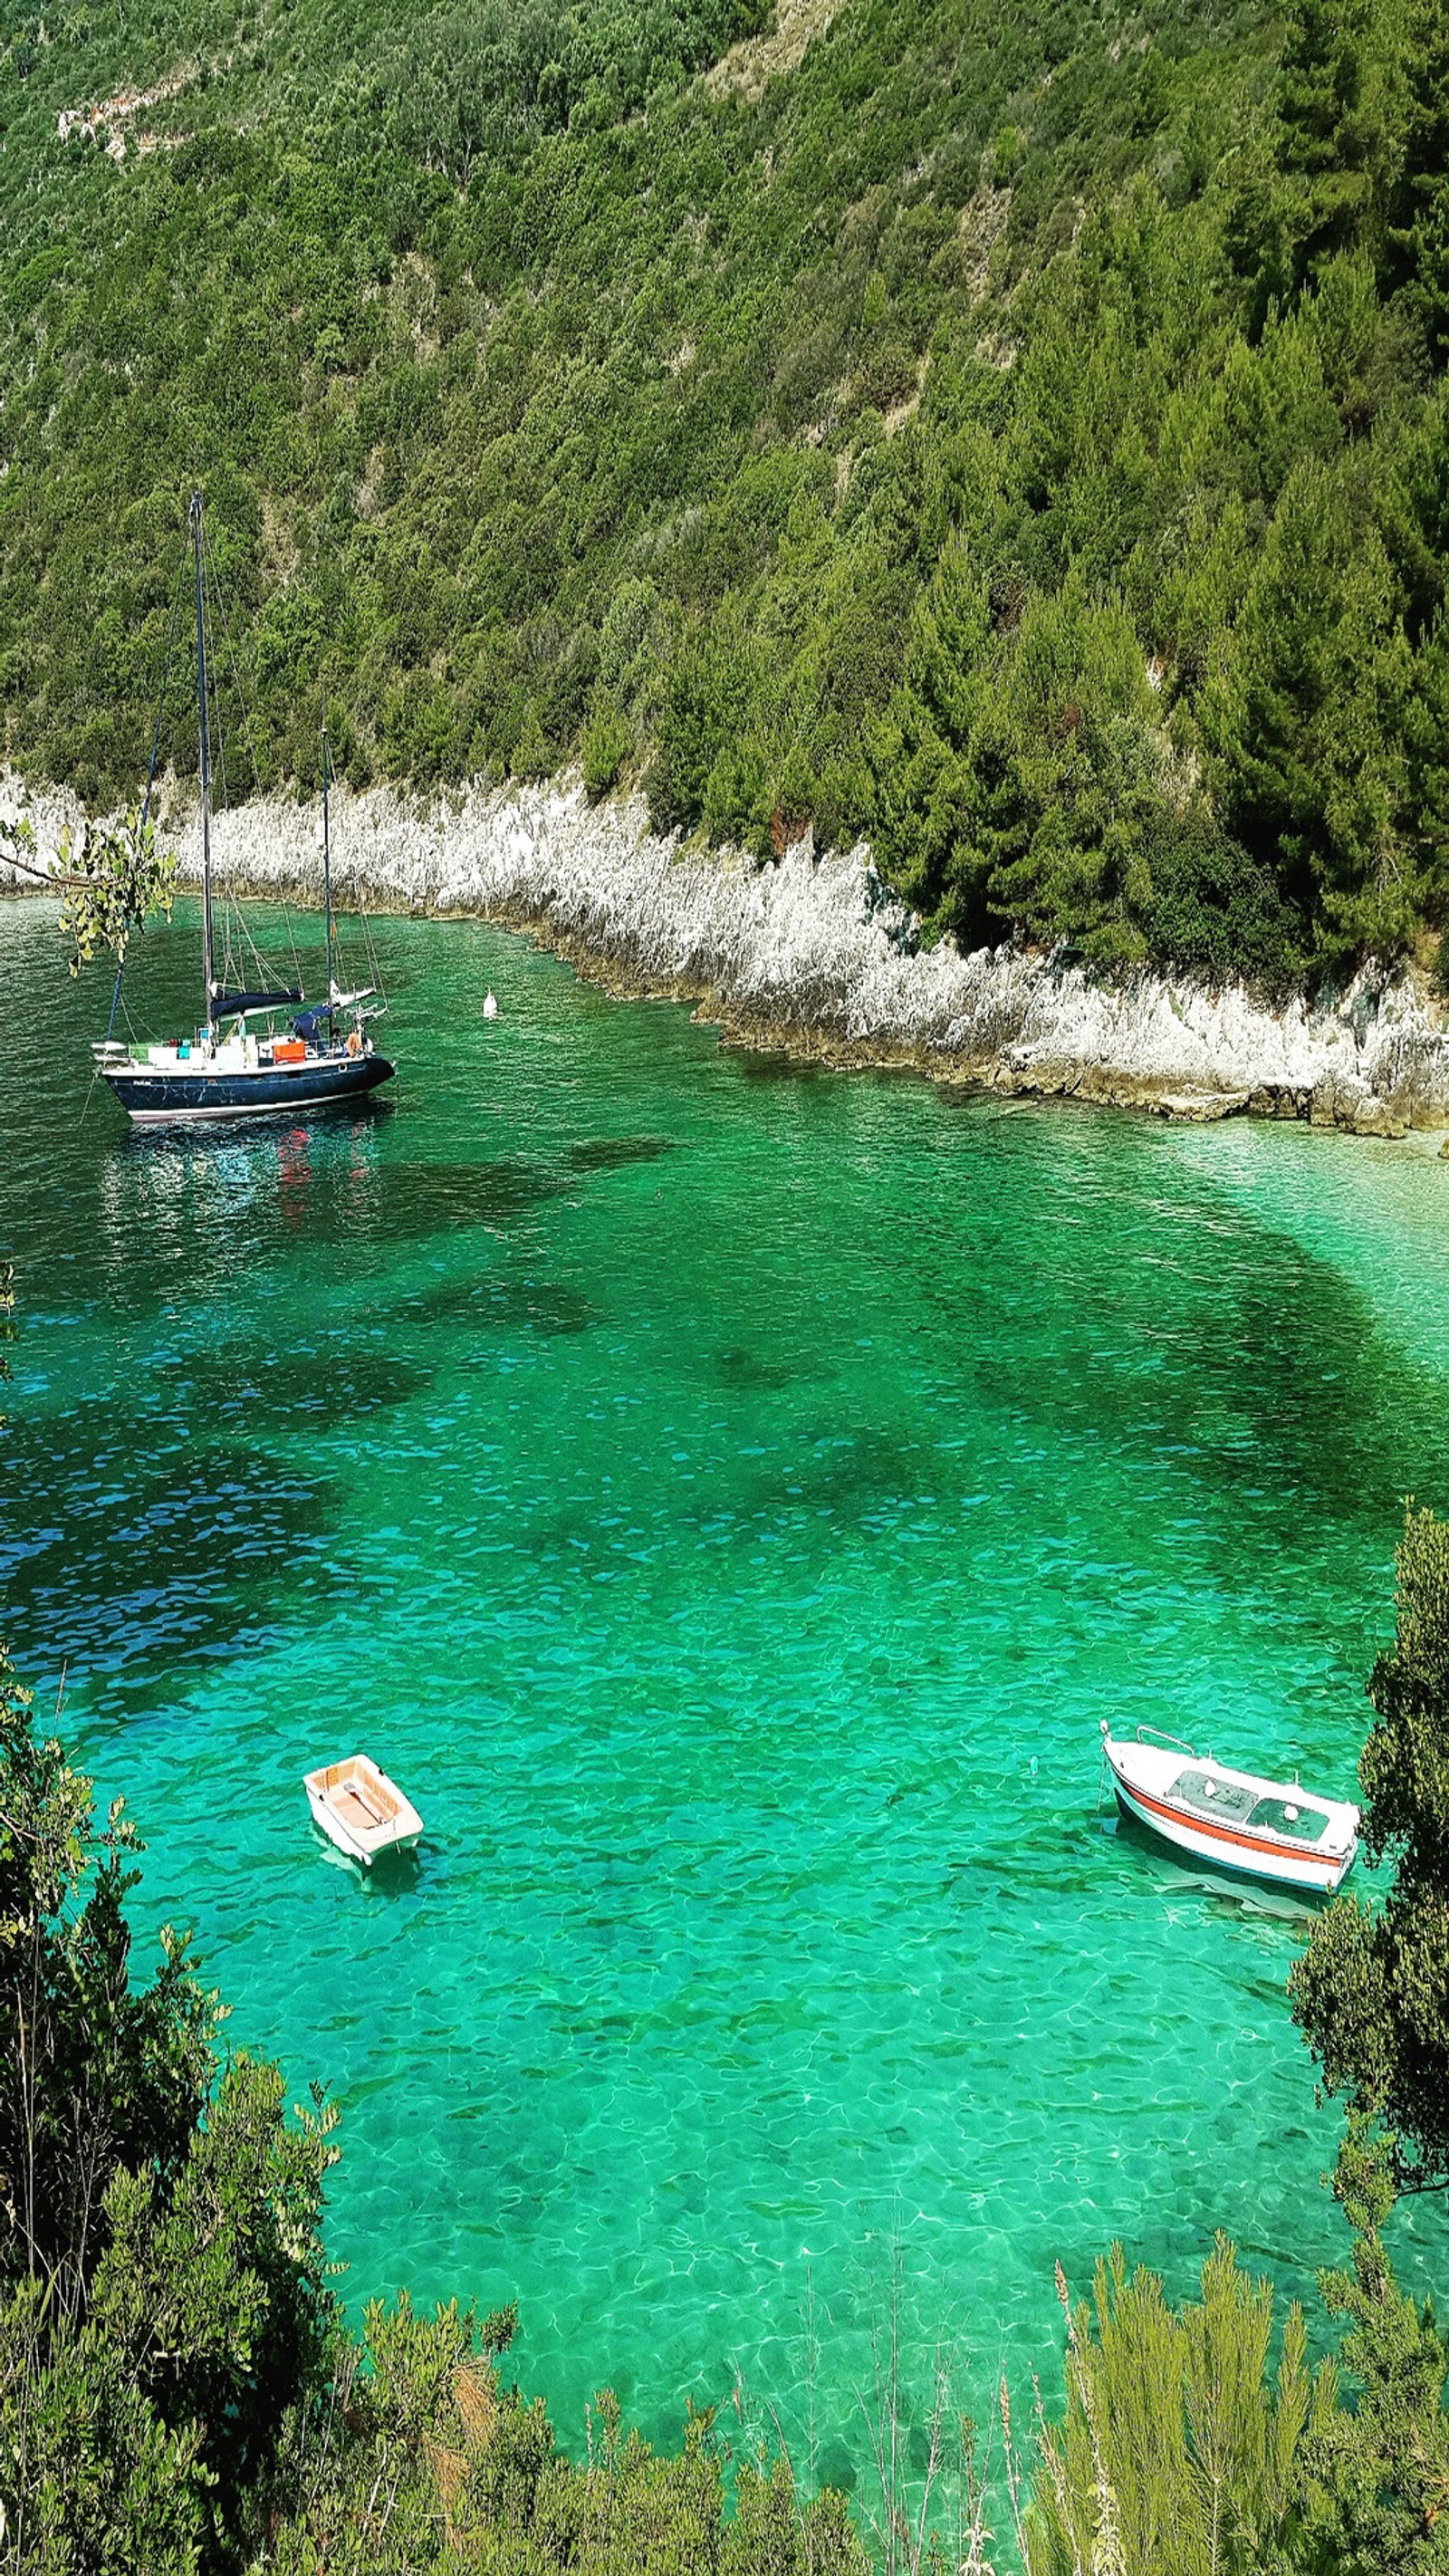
(1416, 245)
(1373, 2477)
(1180, 2448)
(1303, 717)
(1327, 138)
(924, 795)
(529, 757)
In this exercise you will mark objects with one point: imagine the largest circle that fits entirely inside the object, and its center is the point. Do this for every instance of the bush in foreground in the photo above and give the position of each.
(163, 2301)
(1371, 1992)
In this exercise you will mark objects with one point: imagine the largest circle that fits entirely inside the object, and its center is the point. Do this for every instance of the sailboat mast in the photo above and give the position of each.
(205, 760)
(327, 869)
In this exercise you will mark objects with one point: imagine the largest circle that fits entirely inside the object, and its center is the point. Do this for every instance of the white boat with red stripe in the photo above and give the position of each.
(1232, 1820)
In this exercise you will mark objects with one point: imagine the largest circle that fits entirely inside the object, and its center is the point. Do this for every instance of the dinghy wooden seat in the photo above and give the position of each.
(363, 1815)
(360, 1810)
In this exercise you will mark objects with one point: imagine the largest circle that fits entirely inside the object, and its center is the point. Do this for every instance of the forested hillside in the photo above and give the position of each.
(1013, 431)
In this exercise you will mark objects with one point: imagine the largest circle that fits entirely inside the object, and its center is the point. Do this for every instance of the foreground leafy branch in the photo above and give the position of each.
(1182, 2452)
(1375, 2484)
(110, 877)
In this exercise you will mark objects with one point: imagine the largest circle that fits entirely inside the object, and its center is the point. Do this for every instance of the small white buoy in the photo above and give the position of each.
(490, 1006)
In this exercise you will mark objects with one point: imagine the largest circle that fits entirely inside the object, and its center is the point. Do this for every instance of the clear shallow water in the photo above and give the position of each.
(728, 1498)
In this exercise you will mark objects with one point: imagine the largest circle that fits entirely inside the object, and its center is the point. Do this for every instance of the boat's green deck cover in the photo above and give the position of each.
(1214, 1796)
(1285, 1816)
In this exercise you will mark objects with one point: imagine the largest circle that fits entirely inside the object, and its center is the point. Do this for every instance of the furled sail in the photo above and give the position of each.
(235, 1006)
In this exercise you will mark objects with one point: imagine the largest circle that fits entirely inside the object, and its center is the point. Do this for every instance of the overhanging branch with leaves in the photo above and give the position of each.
(110, 878)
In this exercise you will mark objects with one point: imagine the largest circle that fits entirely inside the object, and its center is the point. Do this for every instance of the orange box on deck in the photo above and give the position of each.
(288, 1051)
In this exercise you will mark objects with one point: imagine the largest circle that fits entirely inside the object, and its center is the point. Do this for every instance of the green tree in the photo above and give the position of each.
(163, 2302)
(1371, 1991)
(1373, 2484)
(1020, 764)
(1416, 247)
(529, 756)
(1075, 766)
(713, 691)
(94, 2077)
(1179, 2452)
(1329, 130)
(924, 799)
(1305, 717)
(606, 746)
(428, 2461)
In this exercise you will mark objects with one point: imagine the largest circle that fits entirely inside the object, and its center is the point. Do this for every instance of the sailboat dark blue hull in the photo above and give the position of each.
(237, 1075)
(316, 1083)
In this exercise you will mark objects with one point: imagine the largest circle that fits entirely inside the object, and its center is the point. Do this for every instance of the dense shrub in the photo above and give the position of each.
(1205, 905)
(163, 2300)
(606, 746)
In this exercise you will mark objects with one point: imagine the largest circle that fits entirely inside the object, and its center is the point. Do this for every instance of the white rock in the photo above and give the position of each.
(817, 952)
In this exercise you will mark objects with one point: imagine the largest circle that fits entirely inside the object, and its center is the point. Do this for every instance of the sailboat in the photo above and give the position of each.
(227, 1070)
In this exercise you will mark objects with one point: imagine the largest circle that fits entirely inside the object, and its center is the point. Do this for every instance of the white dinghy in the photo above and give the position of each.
(1256, 1828)
(360, 1810)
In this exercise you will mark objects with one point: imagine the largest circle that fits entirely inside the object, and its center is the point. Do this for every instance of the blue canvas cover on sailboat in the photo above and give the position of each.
(228, 1006)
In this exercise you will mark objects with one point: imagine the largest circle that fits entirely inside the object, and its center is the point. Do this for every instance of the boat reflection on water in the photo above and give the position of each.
(294, 1175)
(193, 1196)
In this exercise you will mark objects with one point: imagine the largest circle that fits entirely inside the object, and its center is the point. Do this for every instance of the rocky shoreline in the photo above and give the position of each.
(815, 956)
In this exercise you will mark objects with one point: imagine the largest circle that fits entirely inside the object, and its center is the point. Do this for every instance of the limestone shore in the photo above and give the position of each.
(815, 955)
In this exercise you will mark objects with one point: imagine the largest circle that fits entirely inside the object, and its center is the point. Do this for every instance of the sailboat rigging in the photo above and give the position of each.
(228, 1072)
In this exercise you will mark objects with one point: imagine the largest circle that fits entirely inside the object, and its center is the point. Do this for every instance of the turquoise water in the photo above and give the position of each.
(727, 1498)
